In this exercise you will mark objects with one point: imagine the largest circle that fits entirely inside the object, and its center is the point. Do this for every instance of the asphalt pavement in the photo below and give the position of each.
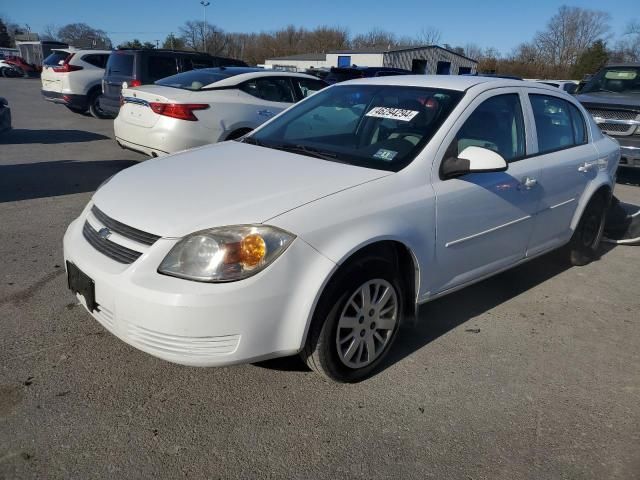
(533, 374)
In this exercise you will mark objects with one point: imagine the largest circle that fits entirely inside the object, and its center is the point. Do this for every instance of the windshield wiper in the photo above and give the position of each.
(305, 150)
(250, 140)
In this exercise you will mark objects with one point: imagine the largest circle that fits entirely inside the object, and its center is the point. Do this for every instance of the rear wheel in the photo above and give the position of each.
(94, 106)
(584, 244)
(355, 323)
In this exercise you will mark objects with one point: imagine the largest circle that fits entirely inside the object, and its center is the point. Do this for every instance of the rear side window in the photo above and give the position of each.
(96, 60)
(270, 89)
(307, 86)
(55, 59)
(120, 64)
(160, 66)
(557, 125)
(496, 124)
(194, 63)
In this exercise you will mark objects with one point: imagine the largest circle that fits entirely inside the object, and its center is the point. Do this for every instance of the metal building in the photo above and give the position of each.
(429, 59)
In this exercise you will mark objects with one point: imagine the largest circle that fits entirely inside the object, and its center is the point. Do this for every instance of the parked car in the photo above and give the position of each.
(73, 78)
(5, 115)
(205, 106)
(324, 229)
(568, 86)
(341, 74)
(612, 96)
(20, 67)
(132, 68)
(9, 70)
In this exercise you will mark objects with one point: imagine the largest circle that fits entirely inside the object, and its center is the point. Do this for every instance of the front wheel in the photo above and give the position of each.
(584, 244)
(355, 323)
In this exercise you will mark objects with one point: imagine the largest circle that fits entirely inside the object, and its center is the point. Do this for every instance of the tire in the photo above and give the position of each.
(583, 246)
(77, 109)
(341, 352)
(94, 106)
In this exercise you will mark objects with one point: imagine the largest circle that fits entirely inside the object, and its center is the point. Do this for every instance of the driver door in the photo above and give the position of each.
(484, 220)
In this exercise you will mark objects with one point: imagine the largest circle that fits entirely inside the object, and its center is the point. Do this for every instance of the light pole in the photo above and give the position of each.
(204, 25)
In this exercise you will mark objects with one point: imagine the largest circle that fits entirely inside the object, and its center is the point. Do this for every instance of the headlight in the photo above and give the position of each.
(225, 254)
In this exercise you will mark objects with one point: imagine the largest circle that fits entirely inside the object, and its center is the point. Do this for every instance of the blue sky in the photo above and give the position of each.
(488, 23)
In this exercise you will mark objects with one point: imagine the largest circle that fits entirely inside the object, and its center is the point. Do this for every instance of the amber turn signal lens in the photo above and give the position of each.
(253, 249)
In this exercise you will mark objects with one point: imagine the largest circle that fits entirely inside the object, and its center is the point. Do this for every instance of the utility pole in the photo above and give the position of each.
(157, 44)
(204, 25)
(171, 36)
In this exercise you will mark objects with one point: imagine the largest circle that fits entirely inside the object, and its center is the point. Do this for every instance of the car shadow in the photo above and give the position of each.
(21, 136)
(442, 315)
(51, 179)
(629, 176)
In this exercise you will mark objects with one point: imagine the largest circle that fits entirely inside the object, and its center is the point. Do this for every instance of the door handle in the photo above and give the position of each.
(528, 183)
(266, 113)
(585, 167)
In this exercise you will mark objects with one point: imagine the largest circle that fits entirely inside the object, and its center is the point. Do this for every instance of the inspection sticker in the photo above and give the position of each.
(386, 155)
(392, 113)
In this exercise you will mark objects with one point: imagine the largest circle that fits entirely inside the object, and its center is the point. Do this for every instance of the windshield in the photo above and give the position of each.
(374, 126)
(615, 80)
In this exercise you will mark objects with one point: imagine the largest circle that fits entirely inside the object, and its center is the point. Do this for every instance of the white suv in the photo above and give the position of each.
(74, 78)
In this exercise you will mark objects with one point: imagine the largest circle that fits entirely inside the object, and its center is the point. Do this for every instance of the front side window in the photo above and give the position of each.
(554, 125)
(270, 89)
(496, 124)
(374, 126)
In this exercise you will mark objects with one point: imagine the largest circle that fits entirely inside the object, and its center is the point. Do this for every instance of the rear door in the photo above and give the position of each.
(120, 68)
(568, 162)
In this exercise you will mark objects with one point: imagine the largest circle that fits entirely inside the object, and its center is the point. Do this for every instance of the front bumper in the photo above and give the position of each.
(629, 151)
(201, 324)
(71, 100)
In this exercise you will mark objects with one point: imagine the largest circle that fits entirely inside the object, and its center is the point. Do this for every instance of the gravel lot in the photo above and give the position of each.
(534, 374)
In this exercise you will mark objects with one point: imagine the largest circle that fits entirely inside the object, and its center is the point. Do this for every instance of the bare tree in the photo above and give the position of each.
(82, 35)
(569, 33)
(429, 36)
(471, 50)
(49, 32)
(376, 38)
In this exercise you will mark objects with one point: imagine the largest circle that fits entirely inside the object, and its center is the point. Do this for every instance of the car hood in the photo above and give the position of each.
(608, 98)
(228, 183)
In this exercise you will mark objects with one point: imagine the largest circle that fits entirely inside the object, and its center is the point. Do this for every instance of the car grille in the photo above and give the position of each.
(614, 128)
(107, 247)
(124, 230)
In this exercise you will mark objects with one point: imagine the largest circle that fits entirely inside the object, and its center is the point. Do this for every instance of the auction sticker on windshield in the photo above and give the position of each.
(392, 113)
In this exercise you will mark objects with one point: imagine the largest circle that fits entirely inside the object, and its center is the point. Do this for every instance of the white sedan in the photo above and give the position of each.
(326, 228)
(205, 106)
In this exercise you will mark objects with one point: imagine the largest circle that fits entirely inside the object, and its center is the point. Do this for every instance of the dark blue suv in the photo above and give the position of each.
(342, 74)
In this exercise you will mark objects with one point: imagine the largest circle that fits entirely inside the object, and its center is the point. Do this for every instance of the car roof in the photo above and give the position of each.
(446, 82)
(78, 50)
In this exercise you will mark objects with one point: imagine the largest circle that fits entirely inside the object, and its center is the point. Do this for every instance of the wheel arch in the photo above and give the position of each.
(602, 187)
(398, 252)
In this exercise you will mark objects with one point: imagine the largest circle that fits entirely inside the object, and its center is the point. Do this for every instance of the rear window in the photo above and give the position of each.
(55, 59)
(120, 64)
(194, 80)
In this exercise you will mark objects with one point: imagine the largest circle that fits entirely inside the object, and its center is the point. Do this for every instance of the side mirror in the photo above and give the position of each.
(473, 160)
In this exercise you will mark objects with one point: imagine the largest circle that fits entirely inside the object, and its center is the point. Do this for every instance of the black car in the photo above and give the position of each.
(342, 74)
(142, 67)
